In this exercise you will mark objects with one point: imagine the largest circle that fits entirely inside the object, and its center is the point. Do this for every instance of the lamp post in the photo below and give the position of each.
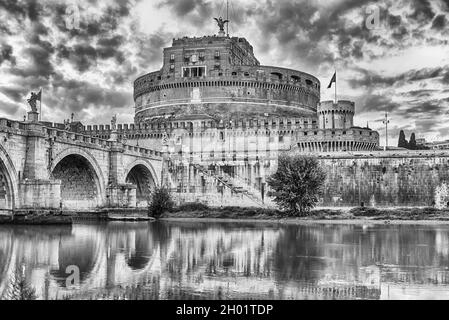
(386, 122)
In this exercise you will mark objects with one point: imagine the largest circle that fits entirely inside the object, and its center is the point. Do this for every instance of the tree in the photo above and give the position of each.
(402, 141)
(19, 288)
(412, 143)
(161, 201)
(297, 183)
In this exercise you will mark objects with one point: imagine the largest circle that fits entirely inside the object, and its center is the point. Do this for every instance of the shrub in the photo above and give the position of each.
(297, 183)
(161, 201)
(191, 207)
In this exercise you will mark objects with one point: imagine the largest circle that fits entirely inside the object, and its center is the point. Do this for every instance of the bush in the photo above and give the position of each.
(161, 201)
(365, 212)
(297, 183)
(191, 207)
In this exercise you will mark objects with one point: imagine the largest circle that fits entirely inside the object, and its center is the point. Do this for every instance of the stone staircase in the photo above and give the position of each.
(236, 184)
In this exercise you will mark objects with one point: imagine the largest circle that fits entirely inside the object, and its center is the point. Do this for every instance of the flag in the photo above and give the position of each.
(39, 96)
(334, 80)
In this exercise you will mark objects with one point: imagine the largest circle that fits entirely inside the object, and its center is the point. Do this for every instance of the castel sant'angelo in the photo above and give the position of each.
(222, 119)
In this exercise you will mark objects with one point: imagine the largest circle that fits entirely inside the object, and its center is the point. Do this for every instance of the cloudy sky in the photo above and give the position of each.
(86, 54)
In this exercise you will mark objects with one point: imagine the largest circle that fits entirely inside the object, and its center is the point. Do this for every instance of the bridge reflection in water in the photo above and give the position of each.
(189, 260)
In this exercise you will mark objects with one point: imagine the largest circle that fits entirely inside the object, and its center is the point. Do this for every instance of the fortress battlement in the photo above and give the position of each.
(340, 106)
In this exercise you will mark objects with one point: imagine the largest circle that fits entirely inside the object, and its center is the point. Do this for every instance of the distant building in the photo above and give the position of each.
(438, 145)
(421, 141)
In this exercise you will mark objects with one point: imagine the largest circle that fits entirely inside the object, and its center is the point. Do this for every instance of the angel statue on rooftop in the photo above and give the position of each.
(114, 122)
(221, 23)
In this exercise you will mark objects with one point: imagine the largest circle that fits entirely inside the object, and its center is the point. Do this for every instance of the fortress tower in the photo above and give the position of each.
(222, 119)
(338, 115)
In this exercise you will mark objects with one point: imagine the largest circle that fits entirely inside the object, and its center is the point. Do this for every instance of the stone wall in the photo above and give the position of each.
(386, 179)
(383, 179)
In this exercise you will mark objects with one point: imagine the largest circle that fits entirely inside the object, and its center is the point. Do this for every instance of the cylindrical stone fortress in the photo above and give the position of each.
(220, 77)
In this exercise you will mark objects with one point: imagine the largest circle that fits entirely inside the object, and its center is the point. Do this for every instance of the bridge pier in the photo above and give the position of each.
(36, 189)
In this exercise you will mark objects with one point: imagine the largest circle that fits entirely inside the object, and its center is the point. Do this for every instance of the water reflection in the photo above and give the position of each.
(172, 260)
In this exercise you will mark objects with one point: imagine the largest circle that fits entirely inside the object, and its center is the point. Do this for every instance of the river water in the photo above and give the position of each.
(231, 260)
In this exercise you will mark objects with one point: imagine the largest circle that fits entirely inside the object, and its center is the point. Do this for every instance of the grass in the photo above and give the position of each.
(198, 210)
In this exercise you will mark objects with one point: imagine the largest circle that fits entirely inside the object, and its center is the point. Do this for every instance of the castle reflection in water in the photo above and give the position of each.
(172, 260)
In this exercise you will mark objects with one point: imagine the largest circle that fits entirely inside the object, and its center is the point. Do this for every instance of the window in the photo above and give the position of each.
(193, 72)
(295, 78)
(202, 56)
(172, 67)
(172, 57)
(217, 54)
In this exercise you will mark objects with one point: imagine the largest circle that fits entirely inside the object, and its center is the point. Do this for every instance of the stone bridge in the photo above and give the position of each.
(44, 167)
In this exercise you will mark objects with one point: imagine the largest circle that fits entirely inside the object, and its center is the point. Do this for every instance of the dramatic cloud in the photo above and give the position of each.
(86, 54)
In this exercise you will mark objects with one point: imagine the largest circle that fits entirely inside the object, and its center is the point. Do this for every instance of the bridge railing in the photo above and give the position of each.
(54, 131)
(78, 137)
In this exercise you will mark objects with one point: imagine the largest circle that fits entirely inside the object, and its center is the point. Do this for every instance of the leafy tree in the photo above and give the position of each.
(412, 143)
(19, 288)
(402, 141)
(161, 201)
(297, 183)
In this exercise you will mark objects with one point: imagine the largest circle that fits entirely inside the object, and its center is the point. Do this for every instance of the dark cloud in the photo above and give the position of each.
(375, 103)
(198, 12)
(21, 9)
(370, 79)
(445, 79)
(439, 22)
(80, 95)
(6, 54)
(422, 11)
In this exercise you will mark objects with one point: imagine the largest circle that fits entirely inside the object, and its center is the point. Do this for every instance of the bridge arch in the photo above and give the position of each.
(82, 180)
(141, 174)
(9, 182)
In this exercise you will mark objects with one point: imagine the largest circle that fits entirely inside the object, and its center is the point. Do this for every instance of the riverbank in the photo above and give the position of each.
(198, 212)
(52, 217)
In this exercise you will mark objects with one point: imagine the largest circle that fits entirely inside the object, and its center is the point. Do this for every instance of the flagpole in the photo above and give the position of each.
(40, 104)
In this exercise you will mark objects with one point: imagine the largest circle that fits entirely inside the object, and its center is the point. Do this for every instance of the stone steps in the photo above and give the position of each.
(228, 182)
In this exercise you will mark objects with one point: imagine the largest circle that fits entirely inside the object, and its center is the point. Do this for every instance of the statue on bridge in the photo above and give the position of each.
(32, 101)
(67, 126)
